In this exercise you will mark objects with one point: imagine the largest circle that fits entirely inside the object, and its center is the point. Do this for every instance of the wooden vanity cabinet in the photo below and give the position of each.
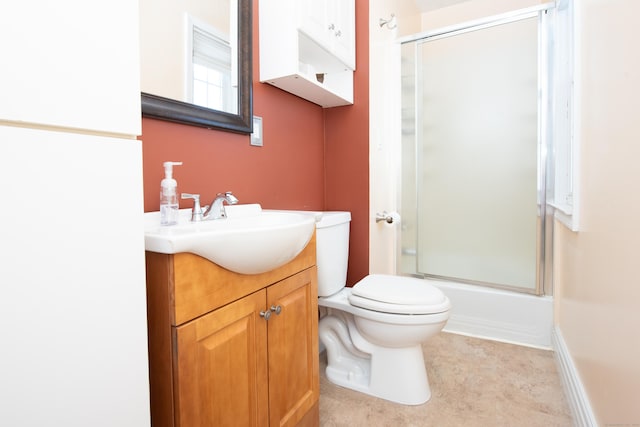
(214, 358)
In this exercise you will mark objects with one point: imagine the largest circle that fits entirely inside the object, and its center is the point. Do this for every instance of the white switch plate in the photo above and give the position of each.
(256, 136)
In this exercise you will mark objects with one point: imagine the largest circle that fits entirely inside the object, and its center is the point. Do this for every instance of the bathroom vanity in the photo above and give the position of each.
(232, 349)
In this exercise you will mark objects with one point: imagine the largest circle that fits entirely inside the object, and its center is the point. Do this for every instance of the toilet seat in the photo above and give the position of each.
(398, 295)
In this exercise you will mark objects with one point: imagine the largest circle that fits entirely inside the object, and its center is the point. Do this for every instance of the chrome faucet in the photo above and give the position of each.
(216, 209)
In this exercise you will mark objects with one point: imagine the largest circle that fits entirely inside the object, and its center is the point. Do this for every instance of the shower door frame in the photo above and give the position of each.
(544, 273)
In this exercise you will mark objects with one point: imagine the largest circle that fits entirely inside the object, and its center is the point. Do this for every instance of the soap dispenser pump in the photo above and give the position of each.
(169, 195)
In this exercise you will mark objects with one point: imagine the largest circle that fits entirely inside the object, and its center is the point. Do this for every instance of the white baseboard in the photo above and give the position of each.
(499, 315)
(574, 390)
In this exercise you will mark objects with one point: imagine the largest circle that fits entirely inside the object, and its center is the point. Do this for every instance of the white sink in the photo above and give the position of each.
(248, 241)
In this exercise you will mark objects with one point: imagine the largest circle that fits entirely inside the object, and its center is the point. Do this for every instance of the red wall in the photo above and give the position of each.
(347, 154)
(312, 159)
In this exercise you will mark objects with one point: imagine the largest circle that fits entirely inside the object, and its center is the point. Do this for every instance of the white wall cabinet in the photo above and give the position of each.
(308, 48)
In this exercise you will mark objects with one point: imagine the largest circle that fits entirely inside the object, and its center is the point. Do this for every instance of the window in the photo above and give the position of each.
(565, 141)
(210, 80)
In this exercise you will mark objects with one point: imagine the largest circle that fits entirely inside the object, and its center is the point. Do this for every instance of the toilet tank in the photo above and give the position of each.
(332, 251)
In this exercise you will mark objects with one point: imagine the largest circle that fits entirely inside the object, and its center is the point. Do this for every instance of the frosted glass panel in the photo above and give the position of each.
(476, 151)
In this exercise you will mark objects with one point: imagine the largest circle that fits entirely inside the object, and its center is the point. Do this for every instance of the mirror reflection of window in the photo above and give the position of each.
(209, 80)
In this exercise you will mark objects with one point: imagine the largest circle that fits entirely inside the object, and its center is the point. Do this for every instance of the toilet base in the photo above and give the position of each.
(395, 374)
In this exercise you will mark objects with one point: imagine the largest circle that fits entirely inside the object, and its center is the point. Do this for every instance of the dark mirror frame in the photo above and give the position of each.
(162, 108)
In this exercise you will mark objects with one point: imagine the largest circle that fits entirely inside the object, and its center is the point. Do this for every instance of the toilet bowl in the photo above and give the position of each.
(373, 332)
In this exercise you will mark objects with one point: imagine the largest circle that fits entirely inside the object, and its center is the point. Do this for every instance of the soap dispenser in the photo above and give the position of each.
(169, 195)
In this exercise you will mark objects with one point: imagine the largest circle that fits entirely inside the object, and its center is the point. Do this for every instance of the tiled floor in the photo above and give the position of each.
(473, 382)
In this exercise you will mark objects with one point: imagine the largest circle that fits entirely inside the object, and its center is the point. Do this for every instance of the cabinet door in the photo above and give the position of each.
(293, 348)
(222, 367)
(313, 21)
(331, 24)
(72, 64)
(342, 20)
(100, 378)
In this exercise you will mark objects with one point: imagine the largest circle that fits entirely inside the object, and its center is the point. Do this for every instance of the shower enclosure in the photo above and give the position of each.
(475, 131)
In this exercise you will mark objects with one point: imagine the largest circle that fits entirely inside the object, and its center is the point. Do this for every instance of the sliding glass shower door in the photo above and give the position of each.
(470, 156)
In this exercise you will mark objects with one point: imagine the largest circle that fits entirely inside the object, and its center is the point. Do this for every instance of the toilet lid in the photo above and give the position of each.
(400, 295)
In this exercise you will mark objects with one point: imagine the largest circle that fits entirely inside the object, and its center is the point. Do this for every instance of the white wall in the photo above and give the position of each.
(73, 309)
(596, 269)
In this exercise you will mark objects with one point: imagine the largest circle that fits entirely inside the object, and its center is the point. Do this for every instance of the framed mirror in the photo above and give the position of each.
(196, 62)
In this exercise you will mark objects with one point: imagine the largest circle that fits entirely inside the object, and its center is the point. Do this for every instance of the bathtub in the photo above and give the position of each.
(498, 315)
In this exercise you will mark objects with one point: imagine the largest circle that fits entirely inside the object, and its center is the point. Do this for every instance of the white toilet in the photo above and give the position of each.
(373, 332)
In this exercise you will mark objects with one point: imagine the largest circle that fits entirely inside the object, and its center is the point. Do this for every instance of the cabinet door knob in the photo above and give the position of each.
(338, 33)
(332, 26)
(277, 309)
(265, 314)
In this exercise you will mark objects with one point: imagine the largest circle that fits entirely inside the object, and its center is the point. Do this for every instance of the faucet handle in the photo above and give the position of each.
(196, 212)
